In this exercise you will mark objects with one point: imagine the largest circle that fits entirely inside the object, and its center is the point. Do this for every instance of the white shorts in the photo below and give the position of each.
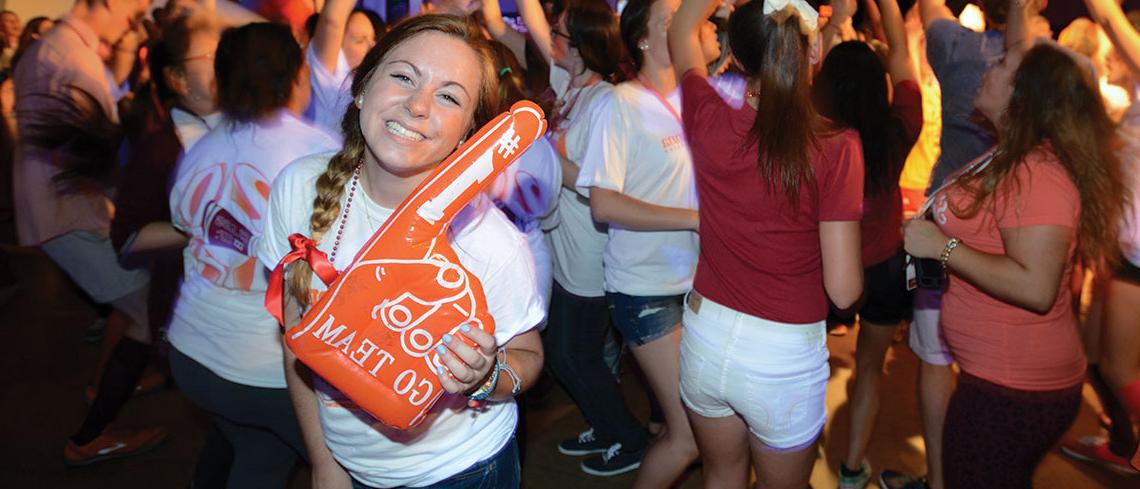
(774, 375)
(925, 333)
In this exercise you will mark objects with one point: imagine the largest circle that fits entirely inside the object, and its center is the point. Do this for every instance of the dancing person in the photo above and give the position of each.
(226, 350)
(1113, 342)
(638, 175)
(1008, 230)
(68, 134)
(780, 195)
(851, 89)
(958, 56)
(426, 86)
(579, 50)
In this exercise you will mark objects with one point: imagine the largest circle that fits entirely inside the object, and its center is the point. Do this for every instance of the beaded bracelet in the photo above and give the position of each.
(945, 257)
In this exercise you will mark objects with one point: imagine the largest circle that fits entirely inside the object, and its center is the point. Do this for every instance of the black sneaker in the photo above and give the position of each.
(613, 462)
(890, 479)
(585, 444)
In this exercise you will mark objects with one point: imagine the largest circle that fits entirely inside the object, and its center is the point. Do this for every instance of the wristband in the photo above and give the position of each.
(505, 366)
(484, 391)
(945, 257)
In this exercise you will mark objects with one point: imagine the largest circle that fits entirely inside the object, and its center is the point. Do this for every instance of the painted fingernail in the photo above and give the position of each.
(465, 328)
(447, 338)
(441, 350)
(440, 370)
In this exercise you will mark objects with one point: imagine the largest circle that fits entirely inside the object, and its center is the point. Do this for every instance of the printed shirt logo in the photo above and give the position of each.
(222, 206)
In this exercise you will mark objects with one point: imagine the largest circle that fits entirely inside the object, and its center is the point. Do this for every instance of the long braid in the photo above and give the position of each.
(330, 188)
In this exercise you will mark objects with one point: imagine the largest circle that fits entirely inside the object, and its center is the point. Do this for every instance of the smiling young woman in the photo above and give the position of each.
(425, 87)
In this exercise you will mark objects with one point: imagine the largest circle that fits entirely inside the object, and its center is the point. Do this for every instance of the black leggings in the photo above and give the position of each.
(254, 441)
(996, 436)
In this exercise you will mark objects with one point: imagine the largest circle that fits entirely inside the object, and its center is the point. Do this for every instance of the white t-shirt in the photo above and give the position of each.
(190, 127)
(576, 241)
(219, 318)
(1129, 132)
(639, 150)
(452, 437)
(332, 92)
(528, 191)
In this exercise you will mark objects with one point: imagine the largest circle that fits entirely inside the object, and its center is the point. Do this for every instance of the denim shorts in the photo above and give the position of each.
(642, 319)
(500, 471)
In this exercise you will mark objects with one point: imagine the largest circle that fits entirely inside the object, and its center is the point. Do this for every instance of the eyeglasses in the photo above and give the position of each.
(556, 32)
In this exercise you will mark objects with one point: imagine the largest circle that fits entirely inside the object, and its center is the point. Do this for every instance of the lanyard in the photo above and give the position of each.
(661, 98)
(973, 168)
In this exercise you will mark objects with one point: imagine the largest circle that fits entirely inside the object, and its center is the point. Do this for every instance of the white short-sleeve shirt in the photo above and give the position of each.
(219, 319)
(452, 437)
(639, 150)
(576, 241)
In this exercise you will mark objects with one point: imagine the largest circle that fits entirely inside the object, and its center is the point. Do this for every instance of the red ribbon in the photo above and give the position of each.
(304, 248)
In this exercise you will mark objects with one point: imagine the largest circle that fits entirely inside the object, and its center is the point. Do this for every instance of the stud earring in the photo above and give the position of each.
(643, 44)
(359, 100)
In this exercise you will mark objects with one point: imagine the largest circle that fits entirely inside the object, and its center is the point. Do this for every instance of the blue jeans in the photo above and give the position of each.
(642, 319)
(500, 471)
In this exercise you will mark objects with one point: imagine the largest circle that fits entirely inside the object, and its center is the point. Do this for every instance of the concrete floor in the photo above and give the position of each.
(44, 365)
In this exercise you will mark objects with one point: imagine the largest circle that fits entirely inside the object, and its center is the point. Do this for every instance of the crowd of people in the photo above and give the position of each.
(720, 182)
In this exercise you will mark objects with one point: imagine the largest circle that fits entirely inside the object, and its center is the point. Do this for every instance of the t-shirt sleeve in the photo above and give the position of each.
(700, 105)
(1039, 194)
(608, 152)
(841, 186)
(285, 214)
(907, 109)
(942, 36)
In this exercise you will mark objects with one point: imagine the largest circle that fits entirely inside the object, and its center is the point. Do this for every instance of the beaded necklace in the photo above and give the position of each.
(344, 214)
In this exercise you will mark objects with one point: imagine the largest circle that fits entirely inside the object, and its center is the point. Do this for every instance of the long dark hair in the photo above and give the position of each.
(1054, 99)
(851, 88)
(593, 29)
(256, 66)
(29, 35)
(773, 53)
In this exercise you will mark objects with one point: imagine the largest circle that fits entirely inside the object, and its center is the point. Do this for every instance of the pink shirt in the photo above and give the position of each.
(995, 340)
(51, 72)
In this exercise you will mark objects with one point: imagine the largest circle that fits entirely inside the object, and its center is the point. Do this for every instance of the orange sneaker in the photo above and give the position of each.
(151, 381)
(113, 444)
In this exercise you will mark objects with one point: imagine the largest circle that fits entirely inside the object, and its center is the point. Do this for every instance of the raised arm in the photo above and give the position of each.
(1124, 38)
(329, 36)
(1017, 38)
(899, 62)
(534, 18)
(932, 10)
(875, 18)
(514, 40)
(838, 28)
(684, 36)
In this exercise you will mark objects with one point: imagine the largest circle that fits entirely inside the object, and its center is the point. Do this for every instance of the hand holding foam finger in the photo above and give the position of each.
(376, 335)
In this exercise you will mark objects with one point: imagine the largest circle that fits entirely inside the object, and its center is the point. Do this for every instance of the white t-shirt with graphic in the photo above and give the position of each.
(639, 150)
(219, 196)
(452, 437)
(332, 92)
(526, 192)
(576, 241)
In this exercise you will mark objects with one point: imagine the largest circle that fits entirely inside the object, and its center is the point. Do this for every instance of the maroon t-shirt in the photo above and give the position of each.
(882, 212)
(759, 255)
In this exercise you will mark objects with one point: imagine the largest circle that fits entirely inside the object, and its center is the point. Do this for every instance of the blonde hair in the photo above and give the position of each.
(330, 185)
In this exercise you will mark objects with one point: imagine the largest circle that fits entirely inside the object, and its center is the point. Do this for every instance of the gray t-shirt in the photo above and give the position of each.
(959, 57)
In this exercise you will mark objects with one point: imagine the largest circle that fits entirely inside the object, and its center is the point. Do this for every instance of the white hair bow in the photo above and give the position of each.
(809, 18)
